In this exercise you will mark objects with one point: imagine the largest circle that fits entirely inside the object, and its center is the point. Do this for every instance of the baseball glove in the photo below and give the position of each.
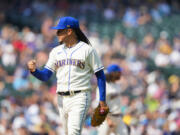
(99, 115)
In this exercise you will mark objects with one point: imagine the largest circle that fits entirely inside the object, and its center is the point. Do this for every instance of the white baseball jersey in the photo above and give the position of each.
(74, 66)
(113, 91)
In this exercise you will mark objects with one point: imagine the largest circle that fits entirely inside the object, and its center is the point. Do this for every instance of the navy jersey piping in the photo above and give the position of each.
(70, 67)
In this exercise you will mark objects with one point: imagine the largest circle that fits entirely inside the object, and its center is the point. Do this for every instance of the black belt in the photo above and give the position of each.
(68, 93)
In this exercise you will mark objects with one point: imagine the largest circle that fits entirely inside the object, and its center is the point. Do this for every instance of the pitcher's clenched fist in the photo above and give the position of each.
(31, 65)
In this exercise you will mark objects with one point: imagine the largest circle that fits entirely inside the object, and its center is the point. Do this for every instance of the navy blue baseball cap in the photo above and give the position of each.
(67, 22)
(113, 68)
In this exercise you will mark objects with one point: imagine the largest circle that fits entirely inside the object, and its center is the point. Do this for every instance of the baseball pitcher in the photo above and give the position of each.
(74, 61)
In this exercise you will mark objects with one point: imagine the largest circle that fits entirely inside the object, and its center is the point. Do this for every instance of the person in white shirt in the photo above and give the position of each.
(113, 124)
(74, 62)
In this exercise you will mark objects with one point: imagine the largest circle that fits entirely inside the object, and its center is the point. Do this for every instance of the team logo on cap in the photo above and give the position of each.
(68, 25)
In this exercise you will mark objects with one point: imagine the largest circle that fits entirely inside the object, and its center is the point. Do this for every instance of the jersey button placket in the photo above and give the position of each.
(66, 51)
(69, 57)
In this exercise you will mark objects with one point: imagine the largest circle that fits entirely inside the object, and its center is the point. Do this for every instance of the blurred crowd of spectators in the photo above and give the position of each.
(150, 100)
(132, 12)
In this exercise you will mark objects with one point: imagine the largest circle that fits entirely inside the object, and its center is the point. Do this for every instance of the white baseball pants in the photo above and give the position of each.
(73, 110)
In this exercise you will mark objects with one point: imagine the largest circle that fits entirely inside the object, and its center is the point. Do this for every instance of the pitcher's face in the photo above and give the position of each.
(64, 35)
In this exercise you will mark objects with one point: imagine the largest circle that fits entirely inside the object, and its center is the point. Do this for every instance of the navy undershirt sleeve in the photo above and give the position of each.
(101, 81)
(42, 75)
